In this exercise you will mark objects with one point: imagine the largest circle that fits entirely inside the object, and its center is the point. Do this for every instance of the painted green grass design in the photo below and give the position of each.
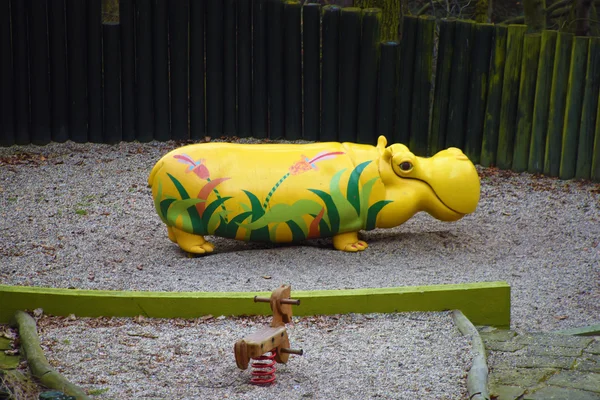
(352, 193)
(171, 209)
(343, 212)
(347, 213)
(332, 211)
(273, 189)
(182, 192)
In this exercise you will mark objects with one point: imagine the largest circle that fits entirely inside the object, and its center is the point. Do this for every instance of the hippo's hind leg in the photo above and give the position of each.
(195, 244)
(349, 242)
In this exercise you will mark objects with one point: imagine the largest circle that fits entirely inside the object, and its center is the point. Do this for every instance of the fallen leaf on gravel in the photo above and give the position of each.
(266, 277)
(561, 317)
(206, 317)
(91, 276)
(140, 267)
(13, 352)
(506, 213)
(143, 334)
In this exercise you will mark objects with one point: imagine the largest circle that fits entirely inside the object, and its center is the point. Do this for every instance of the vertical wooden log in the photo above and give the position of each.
(144, 85)
(292, 70)
(127, 22)
(386, 88)
(589, 111)
(529, 69)
(478, 85)
(21, 69)
(58, 70)
(77, 69)
(160, 69)
(575, 92)
(510, 96)
(367, 83)
(350, 23)
(419, 125)
(178, 48)
(214, 68)
(244, 60)
(404, 83)
(330, 80)
(229, 67)
(439, 112)
(459, 83)
(197, 104)
(259, 69)
(276, 71)
(7, 121)
(489, 144)
(541, 101)
(558, 96)
(38, 64)
(311, 46)
(595, 172)
(94, 70)
(112, 82)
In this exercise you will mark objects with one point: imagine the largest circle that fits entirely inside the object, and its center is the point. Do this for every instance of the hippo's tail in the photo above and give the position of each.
(154, 171)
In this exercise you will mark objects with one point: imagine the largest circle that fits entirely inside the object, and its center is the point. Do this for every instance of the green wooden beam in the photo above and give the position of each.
(484, 303)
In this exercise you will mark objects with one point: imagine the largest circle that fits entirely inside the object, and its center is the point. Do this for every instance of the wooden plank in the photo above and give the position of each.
(589, 112)
(292, 73)
(367, 81)
(529, 69)
(575, 91)
(311, 63)
(489, 143)
(478, 85)
(404, 83)
(423, 76)
(439, 113)
(541, 102)
(484, 303)
(330, 79)
(386, 89)
(459, 83)
(350, 26)
(510, 96)
(558, 95)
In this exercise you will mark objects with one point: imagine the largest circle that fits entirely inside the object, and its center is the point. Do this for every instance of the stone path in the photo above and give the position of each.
(538, 366)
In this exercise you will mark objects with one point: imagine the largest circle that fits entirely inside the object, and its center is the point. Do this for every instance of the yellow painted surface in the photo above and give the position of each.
(485, 303)
(291, 192)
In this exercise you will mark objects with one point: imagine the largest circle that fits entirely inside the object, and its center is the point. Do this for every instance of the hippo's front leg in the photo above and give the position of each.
(349, 242)
(195, 244)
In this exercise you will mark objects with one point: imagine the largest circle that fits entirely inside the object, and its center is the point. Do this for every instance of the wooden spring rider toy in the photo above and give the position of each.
(273, 339)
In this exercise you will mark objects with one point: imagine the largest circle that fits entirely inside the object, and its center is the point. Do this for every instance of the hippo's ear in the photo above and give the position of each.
(386, 154)
(381, 143)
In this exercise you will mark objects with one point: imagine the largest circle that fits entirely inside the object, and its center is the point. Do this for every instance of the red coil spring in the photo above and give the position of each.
(264, 369)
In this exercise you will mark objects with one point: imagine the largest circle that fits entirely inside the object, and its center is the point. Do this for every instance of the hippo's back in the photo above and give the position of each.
(236, 189)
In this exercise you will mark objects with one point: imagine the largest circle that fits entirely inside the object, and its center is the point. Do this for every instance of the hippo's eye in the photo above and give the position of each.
(405, 166)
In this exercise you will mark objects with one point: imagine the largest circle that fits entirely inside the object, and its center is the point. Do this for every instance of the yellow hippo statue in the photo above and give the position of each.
(290, 192)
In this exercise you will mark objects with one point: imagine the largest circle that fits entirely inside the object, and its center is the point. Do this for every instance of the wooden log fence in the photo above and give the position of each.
(277, 69)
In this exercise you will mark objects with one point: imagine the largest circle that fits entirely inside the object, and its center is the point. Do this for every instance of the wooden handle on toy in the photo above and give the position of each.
(282, 301)
(292, 351)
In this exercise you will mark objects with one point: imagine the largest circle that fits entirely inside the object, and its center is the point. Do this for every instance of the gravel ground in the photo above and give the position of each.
(394, 356)
(81, 216)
